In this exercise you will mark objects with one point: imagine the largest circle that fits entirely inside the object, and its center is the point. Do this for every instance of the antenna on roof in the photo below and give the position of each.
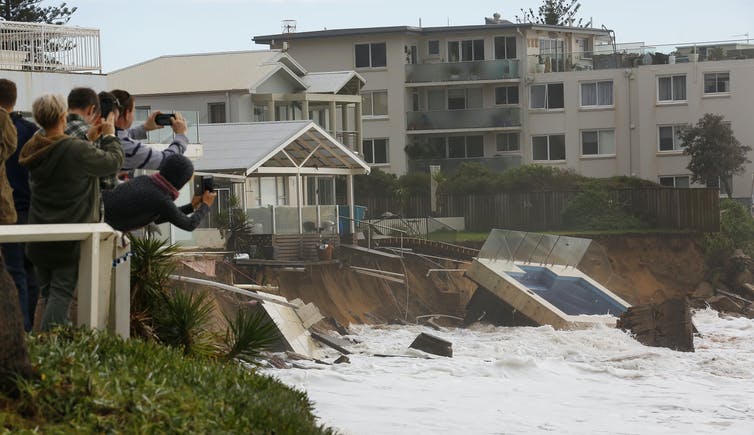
(288, 27)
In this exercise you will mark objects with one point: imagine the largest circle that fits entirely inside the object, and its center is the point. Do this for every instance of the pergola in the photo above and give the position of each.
(283, 148)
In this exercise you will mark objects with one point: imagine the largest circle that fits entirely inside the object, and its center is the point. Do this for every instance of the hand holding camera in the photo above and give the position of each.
(105, 126)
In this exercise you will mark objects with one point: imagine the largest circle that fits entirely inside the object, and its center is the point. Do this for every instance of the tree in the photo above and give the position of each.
(29, 11)
(715, 153)
(553, 12)
(14, 359)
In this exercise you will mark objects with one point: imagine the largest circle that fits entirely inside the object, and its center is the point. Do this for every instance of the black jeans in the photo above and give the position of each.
(22, 271)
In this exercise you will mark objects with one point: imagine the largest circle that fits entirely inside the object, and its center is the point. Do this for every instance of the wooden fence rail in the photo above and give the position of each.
(661, 208)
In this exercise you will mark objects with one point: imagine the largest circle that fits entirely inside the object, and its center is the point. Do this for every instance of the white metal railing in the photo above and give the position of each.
(48, 47)
(104, 292)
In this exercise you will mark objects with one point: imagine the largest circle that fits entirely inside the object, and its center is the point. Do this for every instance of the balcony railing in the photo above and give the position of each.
(47, 47)
(469, 118)
(462, 71)
(635, 55)
(448, 166)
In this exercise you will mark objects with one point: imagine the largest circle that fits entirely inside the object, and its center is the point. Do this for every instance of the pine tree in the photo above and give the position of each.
(29, 11)
(552, 12)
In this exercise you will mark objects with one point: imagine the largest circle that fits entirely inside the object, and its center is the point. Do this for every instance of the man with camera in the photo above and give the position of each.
(139, 155)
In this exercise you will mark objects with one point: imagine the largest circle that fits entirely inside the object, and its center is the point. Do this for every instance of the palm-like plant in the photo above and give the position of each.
(248, 334)
(182, 322)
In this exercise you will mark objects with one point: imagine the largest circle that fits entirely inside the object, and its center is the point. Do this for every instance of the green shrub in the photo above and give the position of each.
(377, 183)
(539, 178)
(736, 231)
(414, 184)
(96, 383)
(594, 209)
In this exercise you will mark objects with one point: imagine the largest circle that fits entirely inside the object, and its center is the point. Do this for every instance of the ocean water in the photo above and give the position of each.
(537, 380)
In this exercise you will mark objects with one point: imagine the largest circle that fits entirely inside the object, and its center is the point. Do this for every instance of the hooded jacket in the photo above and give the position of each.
(64, 187)
(7, 147)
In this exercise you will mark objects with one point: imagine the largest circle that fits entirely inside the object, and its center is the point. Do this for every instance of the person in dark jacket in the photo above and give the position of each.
(150, 198)
(19, 267)
(64, 189)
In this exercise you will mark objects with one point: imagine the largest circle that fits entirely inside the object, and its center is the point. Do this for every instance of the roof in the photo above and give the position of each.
(200, 72)
(503, 25)
(330, 82)
(288, 148)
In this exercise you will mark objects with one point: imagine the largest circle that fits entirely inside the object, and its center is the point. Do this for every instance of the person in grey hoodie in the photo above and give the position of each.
(64, 189)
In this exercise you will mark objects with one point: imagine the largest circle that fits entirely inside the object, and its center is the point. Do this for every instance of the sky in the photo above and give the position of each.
(134, 31)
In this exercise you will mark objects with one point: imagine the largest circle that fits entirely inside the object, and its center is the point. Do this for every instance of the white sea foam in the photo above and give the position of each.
(538, 380)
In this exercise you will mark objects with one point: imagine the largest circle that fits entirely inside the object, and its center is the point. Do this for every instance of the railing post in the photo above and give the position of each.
(88, 282)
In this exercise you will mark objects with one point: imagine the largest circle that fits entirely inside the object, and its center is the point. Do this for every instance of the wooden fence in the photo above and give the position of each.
(661, 208)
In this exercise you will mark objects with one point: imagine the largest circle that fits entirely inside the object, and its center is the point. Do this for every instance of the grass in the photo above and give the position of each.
(93, 382)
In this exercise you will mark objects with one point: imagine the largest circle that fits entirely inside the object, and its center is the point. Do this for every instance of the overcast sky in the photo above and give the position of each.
(133, 31)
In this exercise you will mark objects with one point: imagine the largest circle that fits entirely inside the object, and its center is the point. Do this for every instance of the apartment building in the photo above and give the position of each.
(505, 94)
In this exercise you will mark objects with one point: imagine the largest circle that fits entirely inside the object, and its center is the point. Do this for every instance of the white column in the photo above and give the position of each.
(88, 282)
(271, 109)
(300, 195)
(333, 120)
(344, 122)
(351, 207)
(305, 109)
(359, 137)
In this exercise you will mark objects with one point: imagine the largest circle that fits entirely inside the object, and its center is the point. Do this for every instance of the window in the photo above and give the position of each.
(466, 51)
(433, 47)
(216, 113)
(674, 181)
(507, 142)
(506, 95)
(505, 47)
(547, 96)
(671, 88)
(718, 184)
(554, 50)
(465, 146)
(597, 142)
(371, 55)
(584, 48)
(260, 113)
(460, 99)
(375, 151)
(436, 99)
(550, 147)
(374, 103)
(594, 94)
(716, 83)
(669, 138)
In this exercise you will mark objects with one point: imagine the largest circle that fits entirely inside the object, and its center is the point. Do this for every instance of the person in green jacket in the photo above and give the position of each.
(64, 189)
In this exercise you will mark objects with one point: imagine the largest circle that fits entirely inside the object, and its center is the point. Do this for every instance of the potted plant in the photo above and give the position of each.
(693, 55)
(540, 66)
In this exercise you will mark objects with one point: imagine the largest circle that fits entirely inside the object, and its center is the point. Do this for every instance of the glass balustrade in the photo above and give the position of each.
(469, 118)
(462, 71)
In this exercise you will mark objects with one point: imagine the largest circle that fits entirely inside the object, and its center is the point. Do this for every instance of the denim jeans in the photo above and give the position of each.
(57, 287)
(22, 271)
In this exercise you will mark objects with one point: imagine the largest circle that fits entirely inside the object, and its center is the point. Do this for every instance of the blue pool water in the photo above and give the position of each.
(572, 295)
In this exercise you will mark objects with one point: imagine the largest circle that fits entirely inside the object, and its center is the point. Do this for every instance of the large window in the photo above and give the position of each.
(505, 47)
(669, 137)
(374, 103)
(466, 51)
(506, 95)
(459, 99)
(671, 88)
(595, 94)
(546, 96)
(433, 47)
(597, 142)
(465, 146)
(553, 51)
(550, 147)
(674, 180)
(216, 112)
(507, 142)
(716, 83)
(372, 55)
(375, 151)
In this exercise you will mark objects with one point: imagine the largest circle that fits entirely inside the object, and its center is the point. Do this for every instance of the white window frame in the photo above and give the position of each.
(549, 148)
(597, 93)
(716, 92)
(371, 101)
(460, 50)
(673, 98)
(547, 96)
(599, 144)
(505, 47)
(371, 57)
(371, 144)
(675, 179)
(677, 145)
(508, 135)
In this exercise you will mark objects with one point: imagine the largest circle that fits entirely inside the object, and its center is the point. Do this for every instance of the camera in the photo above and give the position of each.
(164, 118)
(203, 184)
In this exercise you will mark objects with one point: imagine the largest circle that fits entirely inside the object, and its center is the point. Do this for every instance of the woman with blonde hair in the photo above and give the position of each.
(64, 189)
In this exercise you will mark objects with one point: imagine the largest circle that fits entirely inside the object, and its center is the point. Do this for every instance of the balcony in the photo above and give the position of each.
(462, 71)
(463, 119)
(50, 48)
(448, 166)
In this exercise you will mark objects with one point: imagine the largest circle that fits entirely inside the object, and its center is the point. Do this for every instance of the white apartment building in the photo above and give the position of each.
(506, 94)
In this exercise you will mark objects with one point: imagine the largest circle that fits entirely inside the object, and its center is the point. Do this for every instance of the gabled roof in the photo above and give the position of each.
(331, 82)
(283, 148)
(206, 72)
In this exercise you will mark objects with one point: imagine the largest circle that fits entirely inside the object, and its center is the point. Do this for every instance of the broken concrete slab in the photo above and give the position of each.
(432, 344)
(342, 360)
(724, 303)
(664, 325)
(336, 343)
(289, 324)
